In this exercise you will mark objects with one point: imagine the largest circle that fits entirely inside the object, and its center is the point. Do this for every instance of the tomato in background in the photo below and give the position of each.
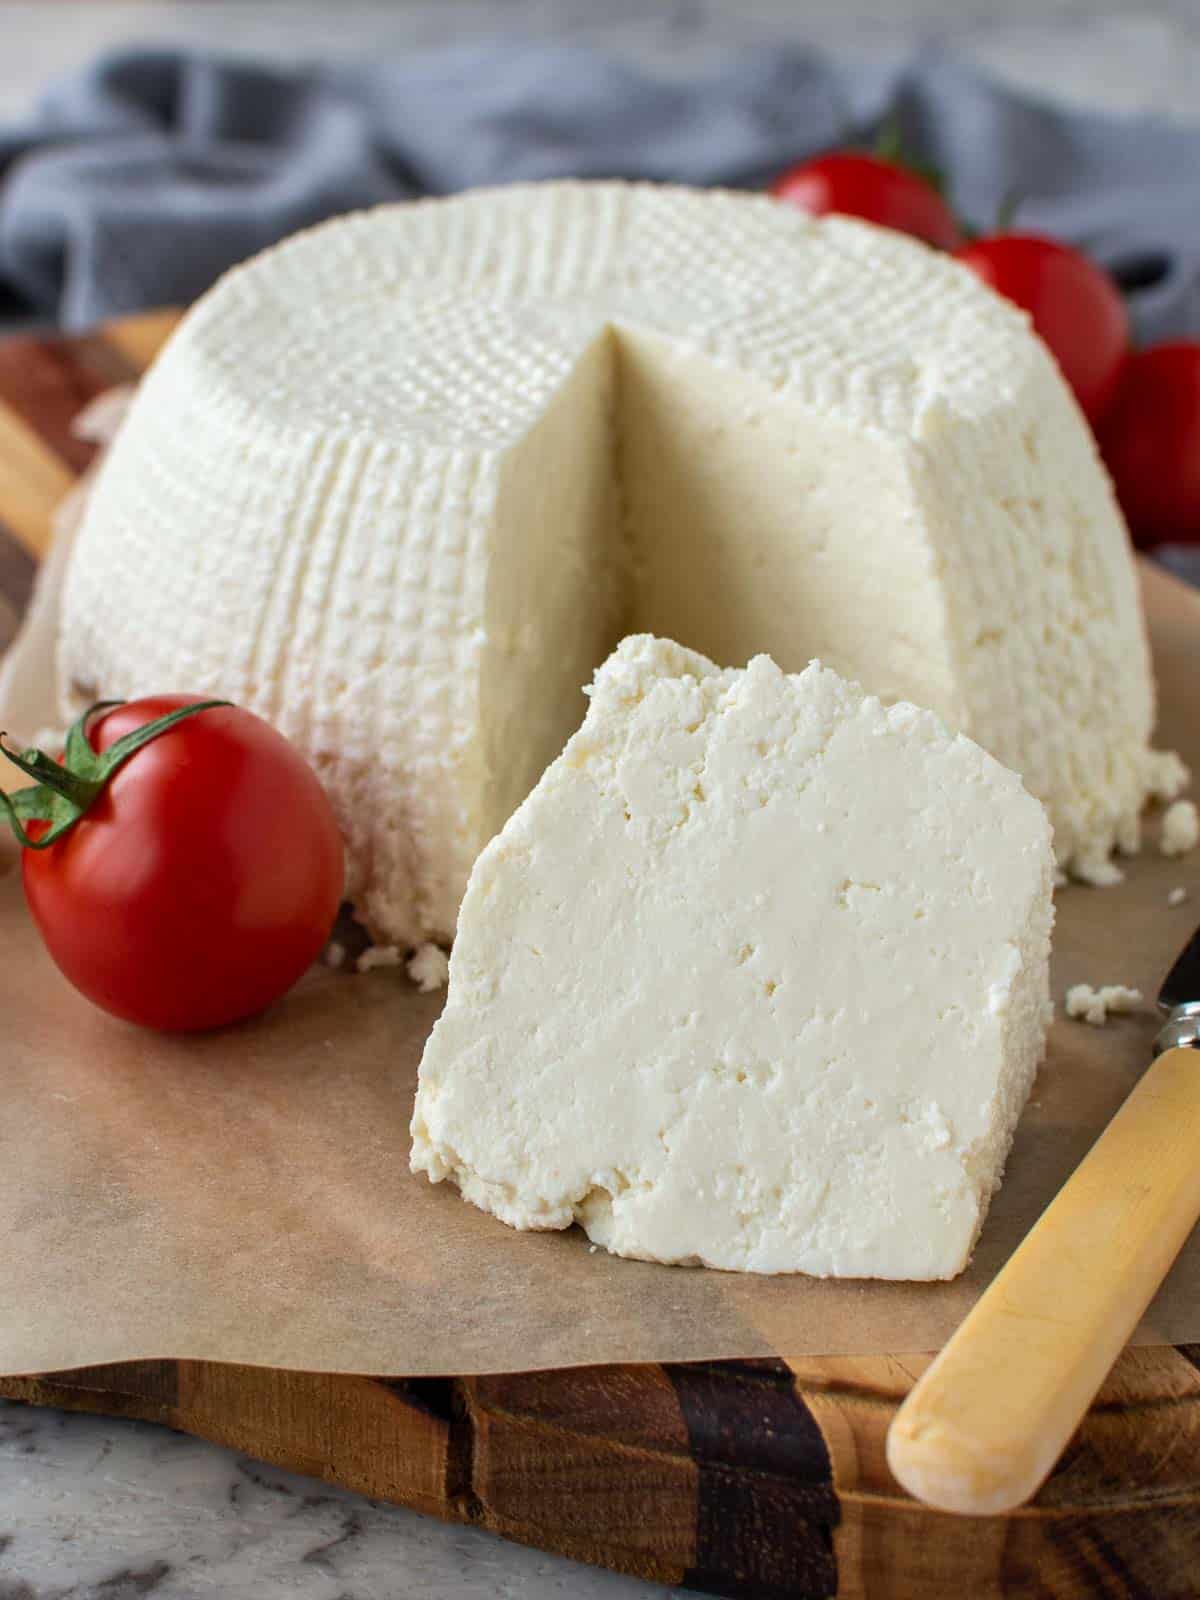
(855, 184)
(1075, 306)
(204, 878)
(1150, 441)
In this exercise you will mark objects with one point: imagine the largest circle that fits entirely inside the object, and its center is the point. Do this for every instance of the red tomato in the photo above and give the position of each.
(1151, 442)
(1075, 306)
(866, 186)
(204, 878)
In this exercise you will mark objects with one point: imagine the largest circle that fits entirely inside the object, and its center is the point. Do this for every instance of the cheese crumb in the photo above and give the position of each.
(1180, 828)
(1168, 775)
(1086, 1004)
(379, 955)
(1099, 871)
(429, 968)
(335, 954)
(1177, 896)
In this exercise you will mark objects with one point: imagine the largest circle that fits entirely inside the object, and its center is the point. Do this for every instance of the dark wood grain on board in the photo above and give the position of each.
(755, 1479)
(752, 1479)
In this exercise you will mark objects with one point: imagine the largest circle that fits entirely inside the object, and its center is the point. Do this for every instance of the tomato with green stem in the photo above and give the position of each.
(184, 866)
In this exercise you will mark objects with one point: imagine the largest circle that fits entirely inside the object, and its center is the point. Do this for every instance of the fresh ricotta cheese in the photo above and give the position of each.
(757, 977)
(1086, 1004)
(1180, 828)
(429, 968)
(401, 483)
(378, 957)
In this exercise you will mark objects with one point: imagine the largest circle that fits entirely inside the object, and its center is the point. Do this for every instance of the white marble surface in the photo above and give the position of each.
(100, 1510)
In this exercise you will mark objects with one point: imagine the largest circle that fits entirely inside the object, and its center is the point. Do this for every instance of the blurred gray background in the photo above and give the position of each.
(1123, 57)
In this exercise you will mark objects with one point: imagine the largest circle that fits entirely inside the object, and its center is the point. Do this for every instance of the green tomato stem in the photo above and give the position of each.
(63, 791)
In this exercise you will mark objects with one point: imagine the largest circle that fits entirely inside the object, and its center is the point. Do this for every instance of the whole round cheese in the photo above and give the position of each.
(401, 483)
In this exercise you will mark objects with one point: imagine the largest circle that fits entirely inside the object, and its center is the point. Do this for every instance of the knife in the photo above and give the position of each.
(983, 1428)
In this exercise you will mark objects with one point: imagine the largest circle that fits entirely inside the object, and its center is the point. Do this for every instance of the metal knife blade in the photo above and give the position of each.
(1179, 998)
(1181, 986)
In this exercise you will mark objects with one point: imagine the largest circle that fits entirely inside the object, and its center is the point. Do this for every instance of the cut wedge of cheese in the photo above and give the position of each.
(400, 484)
(756, 977)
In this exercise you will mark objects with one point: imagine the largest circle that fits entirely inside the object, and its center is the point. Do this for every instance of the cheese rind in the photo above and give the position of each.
(756, 977)
(400, 484)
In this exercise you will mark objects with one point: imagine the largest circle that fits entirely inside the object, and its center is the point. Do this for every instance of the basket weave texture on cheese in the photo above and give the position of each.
(402, 482)
(757, 976)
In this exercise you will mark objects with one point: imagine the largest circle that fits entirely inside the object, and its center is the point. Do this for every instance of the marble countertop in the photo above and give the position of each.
(100, 1510)
(103, 1510)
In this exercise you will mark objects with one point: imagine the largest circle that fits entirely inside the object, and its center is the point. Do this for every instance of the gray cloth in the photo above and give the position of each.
(137, 181)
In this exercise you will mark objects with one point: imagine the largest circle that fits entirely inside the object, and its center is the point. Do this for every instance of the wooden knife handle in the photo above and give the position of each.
(982, 1429)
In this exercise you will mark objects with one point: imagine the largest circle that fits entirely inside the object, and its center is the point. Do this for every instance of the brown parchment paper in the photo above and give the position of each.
(245, 1196)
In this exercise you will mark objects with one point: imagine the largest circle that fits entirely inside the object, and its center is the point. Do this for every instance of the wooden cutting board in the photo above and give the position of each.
(750, 1478)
